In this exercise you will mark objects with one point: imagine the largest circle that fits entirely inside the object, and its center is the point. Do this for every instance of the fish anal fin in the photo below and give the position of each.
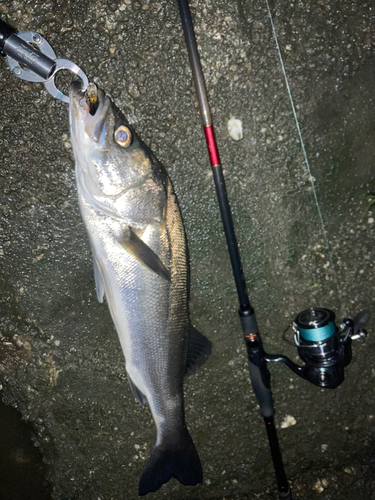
(139, 396)
(99, 282)
(136, 247)
(199, 350)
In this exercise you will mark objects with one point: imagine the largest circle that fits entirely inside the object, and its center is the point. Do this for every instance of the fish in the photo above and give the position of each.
(140, 259)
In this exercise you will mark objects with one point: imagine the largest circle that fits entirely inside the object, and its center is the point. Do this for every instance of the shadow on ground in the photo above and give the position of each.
(22, 471)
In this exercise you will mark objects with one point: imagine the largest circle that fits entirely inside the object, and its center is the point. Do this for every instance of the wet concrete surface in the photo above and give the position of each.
(61, 364)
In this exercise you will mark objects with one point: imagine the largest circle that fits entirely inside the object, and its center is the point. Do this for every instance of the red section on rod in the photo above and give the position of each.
(212, 146)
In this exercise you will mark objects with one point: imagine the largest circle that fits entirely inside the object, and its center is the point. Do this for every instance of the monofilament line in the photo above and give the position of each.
(311, 178)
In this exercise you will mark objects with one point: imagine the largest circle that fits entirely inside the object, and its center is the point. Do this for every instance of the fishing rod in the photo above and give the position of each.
(259, 374)
(324, 348)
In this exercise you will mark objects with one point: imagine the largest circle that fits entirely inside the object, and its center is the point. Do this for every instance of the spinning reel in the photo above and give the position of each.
(324, 347)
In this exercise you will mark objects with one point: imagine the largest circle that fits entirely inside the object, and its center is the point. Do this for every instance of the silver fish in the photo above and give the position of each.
(140, 264)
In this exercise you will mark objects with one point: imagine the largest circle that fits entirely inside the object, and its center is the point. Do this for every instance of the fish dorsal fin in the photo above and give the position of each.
(139, 396)
(136, 247)
(199, 350)
(100, 289)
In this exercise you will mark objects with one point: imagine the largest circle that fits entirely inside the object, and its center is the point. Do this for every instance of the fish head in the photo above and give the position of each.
(110, 158)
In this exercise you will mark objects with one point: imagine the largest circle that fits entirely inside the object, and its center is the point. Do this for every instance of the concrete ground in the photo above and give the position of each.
(61, 364)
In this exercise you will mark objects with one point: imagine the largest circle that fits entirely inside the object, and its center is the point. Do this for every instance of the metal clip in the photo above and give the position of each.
(38, 64)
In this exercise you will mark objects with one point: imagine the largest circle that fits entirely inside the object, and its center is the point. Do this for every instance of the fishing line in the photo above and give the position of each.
(311, 178)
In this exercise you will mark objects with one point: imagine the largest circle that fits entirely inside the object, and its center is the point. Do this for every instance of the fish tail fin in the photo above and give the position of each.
(181, 463)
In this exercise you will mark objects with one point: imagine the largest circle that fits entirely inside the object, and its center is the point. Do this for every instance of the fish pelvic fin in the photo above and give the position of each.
(138, 249)
(182, 463)
(139, 396)
(100, 288)
(199, 350)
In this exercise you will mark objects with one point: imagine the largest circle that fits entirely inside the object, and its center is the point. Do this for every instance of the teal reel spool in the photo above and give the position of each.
(318, 344)
(316, 325)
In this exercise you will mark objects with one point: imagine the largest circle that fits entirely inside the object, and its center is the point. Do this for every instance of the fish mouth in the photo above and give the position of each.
(89, 108)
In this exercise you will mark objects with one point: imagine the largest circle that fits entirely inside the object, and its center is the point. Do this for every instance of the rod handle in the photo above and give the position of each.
(285, 496)
(262, 392)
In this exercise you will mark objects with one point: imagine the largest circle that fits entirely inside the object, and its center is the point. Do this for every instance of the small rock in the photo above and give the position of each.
(235, 129)
(319, 486)
(288, 422)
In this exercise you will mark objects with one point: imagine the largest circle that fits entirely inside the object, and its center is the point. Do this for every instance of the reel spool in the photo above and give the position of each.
(317, 339)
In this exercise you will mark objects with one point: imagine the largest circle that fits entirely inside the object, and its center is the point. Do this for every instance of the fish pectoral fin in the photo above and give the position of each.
(136, 247)
(139, 396)
(199, 350)
(99, 282)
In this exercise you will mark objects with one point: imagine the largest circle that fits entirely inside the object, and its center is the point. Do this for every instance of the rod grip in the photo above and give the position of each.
(285, 496)
(260, 376)
(262, 392)
(249, 323)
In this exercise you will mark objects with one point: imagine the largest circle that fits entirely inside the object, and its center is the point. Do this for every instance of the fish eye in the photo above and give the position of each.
(123, 136)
